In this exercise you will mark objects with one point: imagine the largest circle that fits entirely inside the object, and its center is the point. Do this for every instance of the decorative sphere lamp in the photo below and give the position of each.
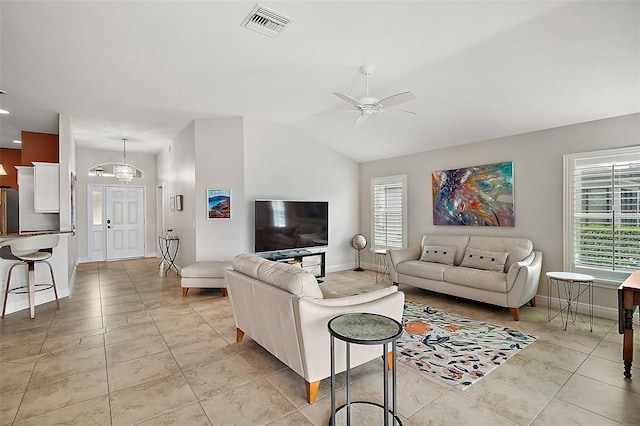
(359, 242)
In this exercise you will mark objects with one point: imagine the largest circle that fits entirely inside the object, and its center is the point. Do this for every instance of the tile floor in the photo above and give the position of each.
(126, 348)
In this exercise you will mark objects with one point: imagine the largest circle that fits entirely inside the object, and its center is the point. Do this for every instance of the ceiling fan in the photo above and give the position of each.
(368, 106)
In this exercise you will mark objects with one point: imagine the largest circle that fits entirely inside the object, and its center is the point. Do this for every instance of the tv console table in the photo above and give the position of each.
(297, 256)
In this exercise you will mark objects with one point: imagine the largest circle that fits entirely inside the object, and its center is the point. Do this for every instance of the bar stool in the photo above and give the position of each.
(31, 250)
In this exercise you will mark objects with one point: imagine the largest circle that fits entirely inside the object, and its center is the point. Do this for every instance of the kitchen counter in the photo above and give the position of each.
(30, 233)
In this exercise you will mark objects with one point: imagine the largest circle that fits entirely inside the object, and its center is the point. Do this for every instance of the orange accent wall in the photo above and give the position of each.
(9, 158)
(39, 147)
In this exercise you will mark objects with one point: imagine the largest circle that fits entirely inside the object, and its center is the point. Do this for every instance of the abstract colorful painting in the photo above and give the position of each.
(219, 203)
(474, 196)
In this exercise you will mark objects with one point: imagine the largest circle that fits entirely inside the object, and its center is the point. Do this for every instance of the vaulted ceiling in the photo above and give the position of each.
(480, 70)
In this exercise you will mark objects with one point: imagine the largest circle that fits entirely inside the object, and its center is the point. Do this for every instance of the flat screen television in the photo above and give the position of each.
(289, 225)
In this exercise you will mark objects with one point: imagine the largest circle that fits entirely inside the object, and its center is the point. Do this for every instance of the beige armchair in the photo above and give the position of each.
(281, 307)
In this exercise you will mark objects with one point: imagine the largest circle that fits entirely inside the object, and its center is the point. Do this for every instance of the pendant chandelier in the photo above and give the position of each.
(124, 172)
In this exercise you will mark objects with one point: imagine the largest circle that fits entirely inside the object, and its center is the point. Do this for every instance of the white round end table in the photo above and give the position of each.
(382, 271)
(569, 286)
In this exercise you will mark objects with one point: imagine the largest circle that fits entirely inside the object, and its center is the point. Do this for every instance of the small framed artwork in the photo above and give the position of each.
(172, 203)
(179, 203)
(219, 203)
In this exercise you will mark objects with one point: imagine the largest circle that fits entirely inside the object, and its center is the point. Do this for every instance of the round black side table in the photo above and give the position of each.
(365, 329)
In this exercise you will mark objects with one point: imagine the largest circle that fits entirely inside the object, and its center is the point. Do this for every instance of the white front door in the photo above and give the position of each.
(125, 222)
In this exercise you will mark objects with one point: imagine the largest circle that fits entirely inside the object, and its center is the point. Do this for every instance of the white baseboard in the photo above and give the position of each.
(350, 266)
(338, 268)
(151, 254)
(598, 311)
(72, 279)
(371, 266)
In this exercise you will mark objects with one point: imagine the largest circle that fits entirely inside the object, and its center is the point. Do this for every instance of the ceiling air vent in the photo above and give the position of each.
(266, 21)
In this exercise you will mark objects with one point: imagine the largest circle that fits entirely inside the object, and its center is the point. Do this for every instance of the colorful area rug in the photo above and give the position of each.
(457, 350)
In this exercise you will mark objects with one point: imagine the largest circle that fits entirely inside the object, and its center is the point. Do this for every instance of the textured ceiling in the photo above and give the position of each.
(481, 70)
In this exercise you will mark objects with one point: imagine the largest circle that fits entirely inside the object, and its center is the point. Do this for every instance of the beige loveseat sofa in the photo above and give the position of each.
(282, 308)
(501, 271)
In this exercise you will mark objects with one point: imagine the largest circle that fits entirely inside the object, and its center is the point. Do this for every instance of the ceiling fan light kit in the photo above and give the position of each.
(369, 105)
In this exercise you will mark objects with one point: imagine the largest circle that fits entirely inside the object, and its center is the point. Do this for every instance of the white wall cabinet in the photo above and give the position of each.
(30, 220)
(46, 187)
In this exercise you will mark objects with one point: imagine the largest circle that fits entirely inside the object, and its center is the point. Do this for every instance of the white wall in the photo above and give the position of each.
(281, 163)
(67, 161)
(176, 170)
(206, 154)
(68, 192)
(65, 255)
(256, 160)
(29, 219)
(537, 167)
(219, 150)
(87, 158)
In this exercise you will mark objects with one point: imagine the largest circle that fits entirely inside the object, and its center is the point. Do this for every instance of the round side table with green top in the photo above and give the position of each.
(365, 329)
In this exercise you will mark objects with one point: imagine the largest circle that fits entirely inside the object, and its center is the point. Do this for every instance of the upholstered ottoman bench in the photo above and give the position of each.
(209, 274)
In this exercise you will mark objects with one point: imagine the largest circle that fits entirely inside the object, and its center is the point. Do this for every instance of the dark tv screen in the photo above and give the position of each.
(286, 225)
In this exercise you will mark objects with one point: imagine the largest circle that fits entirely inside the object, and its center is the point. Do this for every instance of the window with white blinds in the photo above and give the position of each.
(602, 218)
(389, 211)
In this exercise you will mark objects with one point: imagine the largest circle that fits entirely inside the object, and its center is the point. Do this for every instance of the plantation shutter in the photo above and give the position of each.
(389, 212)
(605, 232)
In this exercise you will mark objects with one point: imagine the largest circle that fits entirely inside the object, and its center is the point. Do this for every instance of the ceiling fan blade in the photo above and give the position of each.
(404, 110)
(349, 99)
(396, 99)
(361, 119)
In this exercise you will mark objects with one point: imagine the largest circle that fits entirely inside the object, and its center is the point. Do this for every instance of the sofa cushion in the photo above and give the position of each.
(290, 278)
(477, 278)
(438, 254)
(457, 241)
(518, 248)
(487, 260)
(248, 264)
(417, 268)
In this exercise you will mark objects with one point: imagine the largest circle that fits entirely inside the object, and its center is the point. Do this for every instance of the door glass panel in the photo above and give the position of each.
(96, 197)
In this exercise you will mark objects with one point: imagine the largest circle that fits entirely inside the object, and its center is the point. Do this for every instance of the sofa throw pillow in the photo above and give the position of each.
(438, 254)
(488, 260)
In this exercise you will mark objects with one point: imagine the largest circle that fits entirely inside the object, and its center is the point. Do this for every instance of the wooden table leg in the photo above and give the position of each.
(627, 345)
(628, 299)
